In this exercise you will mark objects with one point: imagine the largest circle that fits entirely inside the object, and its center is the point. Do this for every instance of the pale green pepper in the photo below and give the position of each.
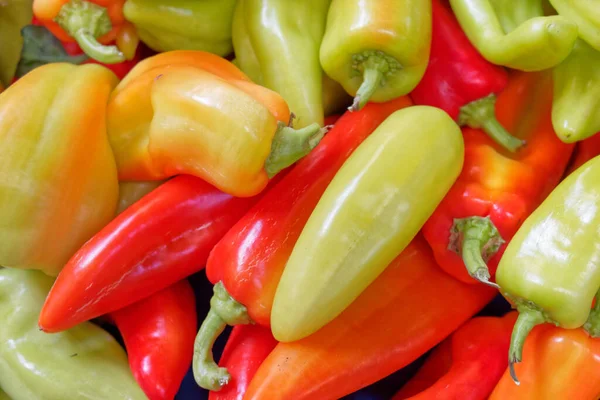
(586, 14)
(3, 395)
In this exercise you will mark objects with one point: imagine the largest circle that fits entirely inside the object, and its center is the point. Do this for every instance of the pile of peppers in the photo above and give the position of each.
(318, 199)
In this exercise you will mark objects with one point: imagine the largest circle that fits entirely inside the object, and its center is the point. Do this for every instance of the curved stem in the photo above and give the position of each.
(592, 325)
(372, 77)
(98, 51)
(527, 320)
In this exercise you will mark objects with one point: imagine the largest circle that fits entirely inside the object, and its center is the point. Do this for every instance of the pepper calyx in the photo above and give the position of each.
(374, 66)
(592, 325)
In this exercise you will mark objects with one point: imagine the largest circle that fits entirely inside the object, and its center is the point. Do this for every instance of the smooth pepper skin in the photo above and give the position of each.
(159, 336)
(58, 180)
(82, 363)
(166, 25)
(371, 210)
(516, 34)
(585, 14)
(377, 50)
(14, 15)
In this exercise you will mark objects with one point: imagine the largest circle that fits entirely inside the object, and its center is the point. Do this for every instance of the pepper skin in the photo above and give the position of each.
(460, 81)
(80, 364)
(585, 14)
(377, 50)
(516, 34)
(130, 192)
(4, 396)
(370, 211)
(497, 189)
(54, 192)
(584, 151)
(386, 328)
(14, 15)
(467, 365)
(247, 263)
(159, 336)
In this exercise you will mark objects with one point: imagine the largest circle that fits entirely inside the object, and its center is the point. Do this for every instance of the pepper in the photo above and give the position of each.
(3, 396)
(54, 192)
(399, 317)
(130, 192)
(335, 98)
(247, 263)
(497, 189)
(159, 336)
(549, 270)
(460, 81)
(467, 365)
(377, 50)
(371, 210)
(82, 363)
(585, 14)
(577, 94)
(195, 113)
(14, 15)
(516, 34)
(584, 151)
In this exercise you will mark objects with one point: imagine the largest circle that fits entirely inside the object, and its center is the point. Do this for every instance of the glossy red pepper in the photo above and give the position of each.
(159, 336)
(585, 150)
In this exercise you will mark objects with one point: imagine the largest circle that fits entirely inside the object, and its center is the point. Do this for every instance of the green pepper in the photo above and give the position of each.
(3, 395)
(377, 50)
(14, 15)
(516, 34)
(84, 362)
(586, 14)
(576, 103)
(550, 270)
(182, 24)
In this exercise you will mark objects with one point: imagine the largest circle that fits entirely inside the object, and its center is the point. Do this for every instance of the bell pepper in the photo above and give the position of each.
(585, 14)
(460, 81)
(159, 240)
(584, 151)
(159, 336)
(246, 349)
(516, 34)
(575, 113)
(467, 365)
(558, 364)
(196, 113)
(82, 363)
(246, 264)
(14, 15)
(550, 270)
(403, 314)
(497, 189)
(377, 50)
(54, 192)
(130, 192)
(371, 210)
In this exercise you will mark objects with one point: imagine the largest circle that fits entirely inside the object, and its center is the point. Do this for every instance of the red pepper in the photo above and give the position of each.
(467, 365)
(584, 152)
(159, 336)
(460, 81)
(246, 349)
(247, 263)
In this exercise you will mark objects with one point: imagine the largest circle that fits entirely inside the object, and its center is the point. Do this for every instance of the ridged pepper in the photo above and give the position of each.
(460, 81)
(14, 15)
(247, 263)
(377, 50)
(130, 192)
(187, 112)
(585, 14)
(516, 34)
(166, 25)
(80, 364)
(465, 366)
(575, 113)
(558, 364)
(371, 210)
(584, 151)
(159, 336)
(550, 269)
(409, 308)
(54, 192)
(497, 189)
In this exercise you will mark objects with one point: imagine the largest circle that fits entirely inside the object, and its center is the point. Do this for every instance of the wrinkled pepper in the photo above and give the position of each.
(460, 81)
(166, 25)
(550, 271)
(403, 314)
(586, 14)
(247, 263)
(584, 151)
(191, 112)
(377, 50)
(516, 34)
(159, 336)
(371, 210)
(497, 189)
(79, 364)
(465, 366)
(55, 193)
(130, 192)
(14, 15)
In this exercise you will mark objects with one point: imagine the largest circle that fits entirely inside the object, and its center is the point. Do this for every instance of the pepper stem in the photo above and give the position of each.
(592, 325)
(224, 310)
(85, 22)
(372, 77)
(480, 114)
(289, 145)
(527, 320)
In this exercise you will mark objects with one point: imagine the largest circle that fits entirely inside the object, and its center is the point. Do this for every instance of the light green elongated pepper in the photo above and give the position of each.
(372, 209)
(586, 14)
(3, 395)
(82, 363)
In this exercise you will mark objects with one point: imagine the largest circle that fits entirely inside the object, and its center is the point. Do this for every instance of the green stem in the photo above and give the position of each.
(374, 66)
(224, 310)
(372, 77)
(527, 320)
(96, 50)
(480, 114)
(592, 325)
